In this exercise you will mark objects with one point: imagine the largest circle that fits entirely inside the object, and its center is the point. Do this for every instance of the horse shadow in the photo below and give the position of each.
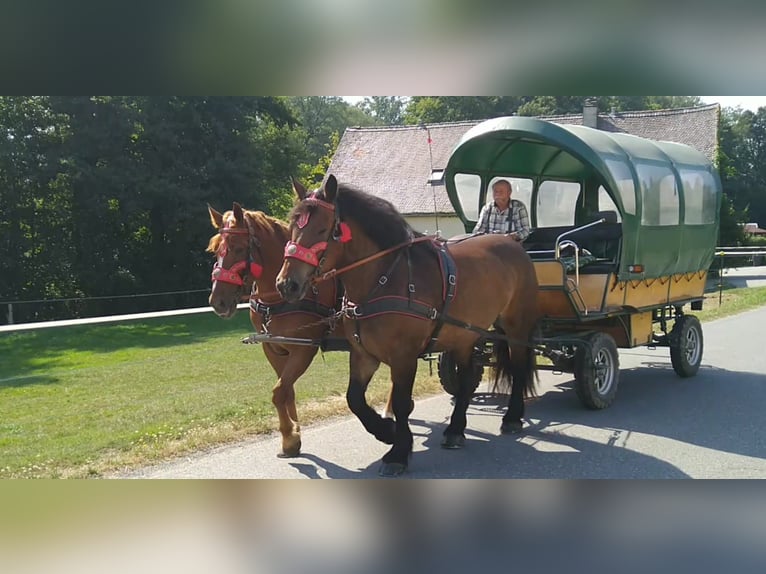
(490, 455)
(717, 409)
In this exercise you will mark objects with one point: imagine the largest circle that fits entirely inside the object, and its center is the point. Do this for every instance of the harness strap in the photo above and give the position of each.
(449, 282)
(233, 276)
(334, 272)
(268, 310)
(392, 304)
(411, 307)
(382, 280)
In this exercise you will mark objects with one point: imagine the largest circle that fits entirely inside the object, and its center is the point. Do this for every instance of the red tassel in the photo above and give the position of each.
(345, 233)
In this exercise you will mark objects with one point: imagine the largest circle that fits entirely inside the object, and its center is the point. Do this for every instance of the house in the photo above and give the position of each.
(754, 229)
(403, 163)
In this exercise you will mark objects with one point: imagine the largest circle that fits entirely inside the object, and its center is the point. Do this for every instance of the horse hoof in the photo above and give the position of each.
(289, 454)
(291, 451)
(392, 469)
(515, 427)
(453, 441)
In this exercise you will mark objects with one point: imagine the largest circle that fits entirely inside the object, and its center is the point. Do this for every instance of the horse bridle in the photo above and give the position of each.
(233, 275)
(313, 255)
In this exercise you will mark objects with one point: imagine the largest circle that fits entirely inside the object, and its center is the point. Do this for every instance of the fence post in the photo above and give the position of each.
(10, 314)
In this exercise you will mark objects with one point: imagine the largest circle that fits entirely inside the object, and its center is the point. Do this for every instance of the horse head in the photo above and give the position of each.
(235, 268)
(317, 238)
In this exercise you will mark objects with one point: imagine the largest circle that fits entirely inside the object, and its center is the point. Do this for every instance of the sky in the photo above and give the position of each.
(751, 103)
(745, 102)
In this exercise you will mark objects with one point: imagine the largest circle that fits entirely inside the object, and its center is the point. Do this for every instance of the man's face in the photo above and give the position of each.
(501, 193)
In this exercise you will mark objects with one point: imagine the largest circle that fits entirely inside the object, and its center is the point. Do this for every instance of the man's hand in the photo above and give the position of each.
(515, 236)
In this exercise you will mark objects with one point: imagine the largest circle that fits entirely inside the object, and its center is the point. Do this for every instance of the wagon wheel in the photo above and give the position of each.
(448, 374)
(686, 346)
(597, 371)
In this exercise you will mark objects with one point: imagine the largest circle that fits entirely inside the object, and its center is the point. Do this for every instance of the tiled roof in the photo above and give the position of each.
(395, 162)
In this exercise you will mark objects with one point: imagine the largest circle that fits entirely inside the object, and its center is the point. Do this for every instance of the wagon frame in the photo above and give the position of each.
(623, 234)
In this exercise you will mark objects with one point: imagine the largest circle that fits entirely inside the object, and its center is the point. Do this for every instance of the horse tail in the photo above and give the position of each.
(504, 366)
(502, 356)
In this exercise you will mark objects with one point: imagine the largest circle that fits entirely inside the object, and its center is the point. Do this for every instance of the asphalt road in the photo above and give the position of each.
(661, 426)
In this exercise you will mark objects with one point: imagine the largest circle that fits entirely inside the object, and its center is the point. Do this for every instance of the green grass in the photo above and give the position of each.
(732, 301)
(84, 401)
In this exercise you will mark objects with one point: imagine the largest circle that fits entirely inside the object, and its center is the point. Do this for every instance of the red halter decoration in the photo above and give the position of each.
(312, 254)
(232, 275)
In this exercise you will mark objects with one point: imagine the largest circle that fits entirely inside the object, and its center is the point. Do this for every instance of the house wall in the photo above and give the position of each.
(449, 225)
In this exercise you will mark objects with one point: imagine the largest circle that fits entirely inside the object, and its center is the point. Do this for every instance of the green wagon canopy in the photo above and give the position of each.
(668, 194)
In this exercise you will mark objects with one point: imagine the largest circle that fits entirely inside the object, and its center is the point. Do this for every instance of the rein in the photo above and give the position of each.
(335, 272)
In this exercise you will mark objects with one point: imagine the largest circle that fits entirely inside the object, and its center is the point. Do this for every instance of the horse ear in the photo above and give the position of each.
(215, 218)
(299, 189)
(238, 215)
(331, 189)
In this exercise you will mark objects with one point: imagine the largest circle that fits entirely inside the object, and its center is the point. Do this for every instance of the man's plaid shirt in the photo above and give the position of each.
(492, 220)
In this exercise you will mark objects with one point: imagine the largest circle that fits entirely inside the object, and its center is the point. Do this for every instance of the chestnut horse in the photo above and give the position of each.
(249, 246)
(407, 294)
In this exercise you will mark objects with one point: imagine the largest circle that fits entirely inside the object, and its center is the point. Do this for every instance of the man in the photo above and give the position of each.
(504, 215)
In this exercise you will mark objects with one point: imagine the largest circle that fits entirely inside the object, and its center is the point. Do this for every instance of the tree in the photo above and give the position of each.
(320, 117)
(109, 193)
(35, 252)
(387, 110)
(436, 109)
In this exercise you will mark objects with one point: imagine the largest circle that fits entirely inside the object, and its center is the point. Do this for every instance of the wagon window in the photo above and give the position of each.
(625, 187)
(522, 189)
(556, 202)
(659, 195)
(606, 203)
(699, 197)
(468, 187)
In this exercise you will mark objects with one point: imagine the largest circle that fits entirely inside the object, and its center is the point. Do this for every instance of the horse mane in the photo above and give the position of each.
(271, 226)
(264, 226)
(382, 223)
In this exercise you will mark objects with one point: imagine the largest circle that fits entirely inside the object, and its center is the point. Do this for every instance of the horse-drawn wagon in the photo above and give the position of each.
(624, 231)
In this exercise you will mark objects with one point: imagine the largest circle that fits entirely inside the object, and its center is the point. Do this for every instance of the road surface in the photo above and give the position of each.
(660, 426)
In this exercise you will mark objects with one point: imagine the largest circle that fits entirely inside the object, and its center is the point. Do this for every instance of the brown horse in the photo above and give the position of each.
(403, 291)
(249, 248)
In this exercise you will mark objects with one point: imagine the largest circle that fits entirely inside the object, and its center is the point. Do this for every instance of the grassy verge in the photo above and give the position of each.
(84, 401)
(78, 402)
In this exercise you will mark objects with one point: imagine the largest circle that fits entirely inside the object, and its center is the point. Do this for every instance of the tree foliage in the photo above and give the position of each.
(106, 195)
(434, 109)
(387, 110)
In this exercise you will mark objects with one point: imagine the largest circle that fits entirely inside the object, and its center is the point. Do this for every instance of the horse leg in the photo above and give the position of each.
(283, 397)
(454, 434)
(388, 413)
(395, 461)
(362, 367)
(522, 379)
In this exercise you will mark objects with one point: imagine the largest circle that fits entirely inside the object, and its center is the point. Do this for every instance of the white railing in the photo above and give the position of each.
(746, 251)
(109, 319)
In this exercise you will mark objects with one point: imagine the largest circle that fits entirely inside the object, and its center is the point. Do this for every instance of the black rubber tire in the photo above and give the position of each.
(686, 346)
(447, 369)
(597, 371)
